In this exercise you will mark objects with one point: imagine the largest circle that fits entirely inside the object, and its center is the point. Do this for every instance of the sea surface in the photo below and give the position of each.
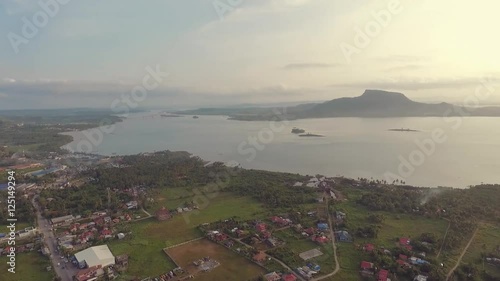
(455, 152)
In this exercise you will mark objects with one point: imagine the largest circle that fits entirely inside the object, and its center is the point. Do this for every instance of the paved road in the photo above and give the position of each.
(51, 242)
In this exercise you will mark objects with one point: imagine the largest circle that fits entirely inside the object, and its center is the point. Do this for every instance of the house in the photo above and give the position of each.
(383, 275)
(163, 214)
(417, 261)
(404, 241)
(62, 220)
(122, 260)
(89, 274)
(332, 194)
(106, 233)
(403, 257)
(367, 268)
(343, 236)
(366, 265)
(266, 234)
(369, 248)
(314, 267)
(120, 235)
(340, 215)
(260, 257)
(420, 278)
(273, 276)
(272, 242)
(260, 227)
(219, 237)
(107, 219)
(320, 239)
(281, 221)
(310, 230)
(289, 277)
(132, 205)
(322, 226)
(297, 184)
(402, 263)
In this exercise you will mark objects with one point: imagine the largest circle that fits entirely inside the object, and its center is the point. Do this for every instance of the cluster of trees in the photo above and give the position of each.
(464, 208)
(24, 209)
(271, 188)
(158, 170)
(38, 132)
(286, 255)
(369, 231)
(391, 199)
(79, 201)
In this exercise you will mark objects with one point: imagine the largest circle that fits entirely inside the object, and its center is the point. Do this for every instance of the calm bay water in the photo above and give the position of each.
(352, 147)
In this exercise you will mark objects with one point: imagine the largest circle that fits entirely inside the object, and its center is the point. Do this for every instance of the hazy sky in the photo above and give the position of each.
(87, 53)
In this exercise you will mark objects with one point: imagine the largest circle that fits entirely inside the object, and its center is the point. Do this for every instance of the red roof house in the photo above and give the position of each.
(404, 241)
(261, 227)
(366, 265)
(382, 275)
(289, 277)
(369, 247)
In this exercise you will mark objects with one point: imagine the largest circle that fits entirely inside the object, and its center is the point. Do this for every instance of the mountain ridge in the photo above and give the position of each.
(372, 103)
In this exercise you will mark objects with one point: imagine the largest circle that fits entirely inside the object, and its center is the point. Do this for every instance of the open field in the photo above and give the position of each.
(150, 236)
(232, 266)
(29, 267)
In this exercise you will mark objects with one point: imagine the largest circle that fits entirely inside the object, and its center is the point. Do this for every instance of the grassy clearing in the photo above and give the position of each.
(149, 237)
(29, 267)
(232, 266)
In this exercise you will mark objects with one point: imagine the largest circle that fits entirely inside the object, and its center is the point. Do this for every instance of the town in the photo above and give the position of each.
(310, 228)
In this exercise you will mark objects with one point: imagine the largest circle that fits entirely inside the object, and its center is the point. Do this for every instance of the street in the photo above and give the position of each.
(50, 241)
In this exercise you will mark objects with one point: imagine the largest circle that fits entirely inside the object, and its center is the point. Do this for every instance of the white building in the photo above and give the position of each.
(94, 256)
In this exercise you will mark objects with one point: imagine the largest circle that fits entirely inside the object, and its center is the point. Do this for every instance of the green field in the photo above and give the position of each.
(149, 237)
(29, 267)
(487, 240)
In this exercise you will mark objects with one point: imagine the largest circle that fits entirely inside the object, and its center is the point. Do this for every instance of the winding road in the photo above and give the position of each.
(332, 233)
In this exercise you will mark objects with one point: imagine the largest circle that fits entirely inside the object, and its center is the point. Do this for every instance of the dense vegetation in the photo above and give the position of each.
(24, 209)
(273, 189)
(38, 132)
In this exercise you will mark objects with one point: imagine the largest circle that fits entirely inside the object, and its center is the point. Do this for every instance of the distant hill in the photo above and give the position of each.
(371, 104)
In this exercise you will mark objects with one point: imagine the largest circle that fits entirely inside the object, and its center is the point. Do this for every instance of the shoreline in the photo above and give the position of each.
(74, 137)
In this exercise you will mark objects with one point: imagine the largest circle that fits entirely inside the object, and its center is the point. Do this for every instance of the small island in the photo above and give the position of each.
(403, 130)
(310, 135)
(195, 117)
(296, 130)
